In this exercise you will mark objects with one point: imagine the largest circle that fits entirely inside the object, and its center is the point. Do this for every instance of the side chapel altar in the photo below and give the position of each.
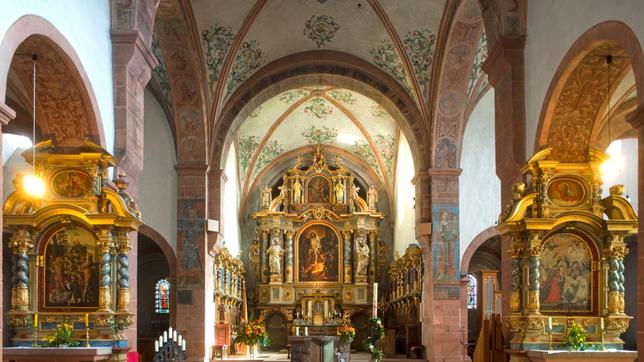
(317, 248)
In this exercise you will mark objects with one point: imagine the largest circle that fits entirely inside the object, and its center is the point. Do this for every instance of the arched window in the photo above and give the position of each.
(471, 291)
(162, 297)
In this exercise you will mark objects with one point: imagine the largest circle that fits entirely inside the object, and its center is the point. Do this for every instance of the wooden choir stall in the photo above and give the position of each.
(70, 255)
(317, 250)
(567, 250)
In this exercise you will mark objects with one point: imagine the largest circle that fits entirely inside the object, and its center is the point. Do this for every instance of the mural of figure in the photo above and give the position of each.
(266, 197)
(275, 253)
(372, 197)
(445, 244)
(339, 192)
(191, 228)
(362, 256)
(297, 191)
(446, 154)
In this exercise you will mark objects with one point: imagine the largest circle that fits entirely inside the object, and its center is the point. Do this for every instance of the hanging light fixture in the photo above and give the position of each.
(614, 165)
(33, 184)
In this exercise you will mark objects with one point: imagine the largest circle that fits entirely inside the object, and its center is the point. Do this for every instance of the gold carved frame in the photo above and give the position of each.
(296, 246)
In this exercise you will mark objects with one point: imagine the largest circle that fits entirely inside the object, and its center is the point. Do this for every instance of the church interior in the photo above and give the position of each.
(322, 180)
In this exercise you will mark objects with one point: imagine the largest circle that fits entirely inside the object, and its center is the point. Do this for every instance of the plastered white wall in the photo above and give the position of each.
(158, 182)
(404, 233)
(86, 26)
(231, 203)
(625, 152)
(553, 27)
(479, 187)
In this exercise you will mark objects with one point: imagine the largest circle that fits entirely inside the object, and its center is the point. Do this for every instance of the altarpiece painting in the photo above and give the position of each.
(318, 254)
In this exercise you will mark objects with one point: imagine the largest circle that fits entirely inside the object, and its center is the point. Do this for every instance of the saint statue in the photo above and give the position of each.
(297, 191)
(266, 197)
(339, 192)
(362, 256)
(372, 197)
(274, 258)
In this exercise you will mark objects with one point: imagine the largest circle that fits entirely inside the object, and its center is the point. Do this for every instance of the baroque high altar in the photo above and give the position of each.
(317, 248)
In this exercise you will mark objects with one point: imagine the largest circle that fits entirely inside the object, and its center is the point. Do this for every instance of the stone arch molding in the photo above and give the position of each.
(325, 68)
(65, 94)
(567, 108)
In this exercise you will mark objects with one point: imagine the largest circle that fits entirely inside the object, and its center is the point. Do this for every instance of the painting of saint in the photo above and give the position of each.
(318, 190)
(71, 183)
(318, 254)
(71, 269)
(445, 244)
(565, 274)
(566, 192)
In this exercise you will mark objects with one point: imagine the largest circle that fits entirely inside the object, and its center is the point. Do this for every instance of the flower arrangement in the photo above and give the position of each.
(575, 336)
(252, 332)
(62, 336)
(376, 333)
(346, 332)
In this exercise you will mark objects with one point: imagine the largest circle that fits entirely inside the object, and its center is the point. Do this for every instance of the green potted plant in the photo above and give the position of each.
(62, 337)
(575, 336)
(252, 334)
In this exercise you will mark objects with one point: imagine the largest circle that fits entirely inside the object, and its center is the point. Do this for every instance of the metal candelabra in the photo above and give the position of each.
(169, 347)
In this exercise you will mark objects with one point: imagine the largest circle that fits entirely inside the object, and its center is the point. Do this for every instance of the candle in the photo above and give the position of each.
(170, 332)
(160, 341)
(86, 320)
(165, 336)
(183, 345)
(549, 324)
(306, 331)
(36, 320)
(156, 346)
(297, 331)
(601, 323)
(375, 300)
(174, 336)
(179, 341)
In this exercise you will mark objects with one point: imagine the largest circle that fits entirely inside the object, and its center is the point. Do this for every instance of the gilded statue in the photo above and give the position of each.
(275, 253)
(372, 197)
(266, 197)
(297, 191)
(362, 255)
(339, 192)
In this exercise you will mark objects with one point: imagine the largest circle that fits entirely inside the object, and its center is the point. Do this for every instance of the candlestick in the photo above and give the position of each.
(165, 336)
(375, 300)
(602, 331)
(35, 331)
(156, 346)
(87, 336)
(86, 320)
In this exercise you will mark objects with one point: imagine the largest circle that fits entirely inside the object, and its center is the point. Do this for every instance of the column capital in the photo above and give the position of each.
(6, 114)
(499, 59)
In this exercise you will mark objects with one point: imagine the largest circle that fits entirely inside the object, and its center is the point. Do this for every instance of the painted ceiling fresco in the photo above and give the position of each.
(398, 36)
(317, 115)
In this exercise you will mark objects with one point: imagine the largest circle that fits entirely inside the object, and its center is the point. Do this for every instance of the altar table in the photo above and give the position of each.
(586, 356)
(312, 348)
(39, 354)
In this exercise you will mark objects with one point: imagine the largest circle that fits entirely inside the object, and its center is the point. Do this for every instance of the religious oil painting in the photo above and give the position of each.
(318, 190)
(565, 274)
(71, 183)
(71, 269)
(566, 192)
(445, 245)
(318, 254)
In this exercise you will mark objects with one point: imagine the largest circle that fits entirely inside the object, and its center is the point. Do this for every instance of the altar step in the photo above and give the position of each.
(282, 357)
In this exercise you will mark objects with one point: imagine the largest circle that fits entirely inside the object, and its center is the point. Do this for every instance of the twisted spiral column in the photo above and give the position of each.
(123, 247)
(615, 252)
(289, 256)
(372, 257)
(515, 297)
(21, 242)
(264, 254)
(105, 242)
(347, 255)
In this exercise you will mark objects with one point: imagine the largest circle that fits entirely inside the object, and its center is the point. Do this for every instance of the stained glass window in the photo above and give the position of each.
(471, 291)
(162, 297)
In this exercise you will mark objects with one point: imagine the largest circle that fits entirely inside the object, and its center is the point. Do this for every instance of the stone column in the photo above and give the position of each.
(264, 234)
(6, 115)
(372, 257)
(289, 256)
(123, 247)
(105, 243)
(504, 67)
(636, 120)
(21, 243)
(346, 235)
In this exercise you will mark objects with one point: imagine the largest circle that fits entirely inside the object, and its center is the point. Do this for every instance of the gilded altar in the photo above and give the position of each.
(317, 247)
(70, 247)
(567, 253)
